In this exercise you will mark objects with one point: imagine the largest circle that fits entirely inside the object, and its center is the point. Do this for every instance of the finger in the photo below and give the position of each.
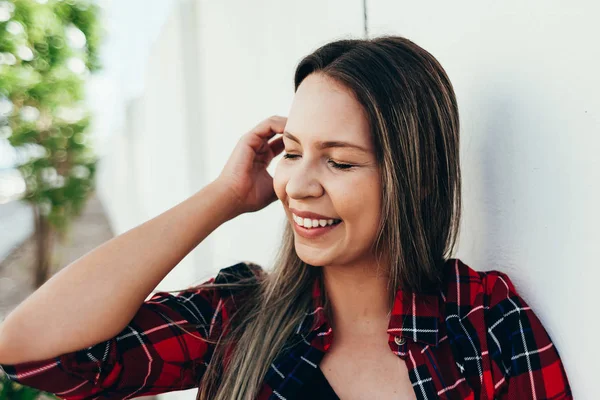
(277, 145)
(270, 126)
(273, 196)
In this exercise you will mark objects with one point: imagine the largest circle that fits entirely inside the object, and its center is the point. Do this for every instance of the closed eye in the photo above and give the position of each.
(333, 163)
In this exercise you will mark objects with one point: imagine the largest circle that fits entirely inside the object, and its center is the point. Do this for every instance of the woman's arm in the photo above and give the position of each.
(94, 298)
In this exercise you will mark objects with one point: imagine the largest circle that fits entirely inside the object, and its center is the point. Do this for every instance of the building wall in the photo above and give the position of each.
(524, 77)
(147, 171)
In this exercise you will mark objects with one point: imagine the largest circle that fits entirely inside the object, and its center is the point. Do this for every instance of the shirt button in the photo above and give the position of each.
(399, 340)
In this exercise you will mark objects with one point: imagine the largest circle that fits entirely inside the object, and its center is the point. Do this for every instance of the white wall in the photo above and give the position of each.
(248, 53)
(524, 75)
(147, 170)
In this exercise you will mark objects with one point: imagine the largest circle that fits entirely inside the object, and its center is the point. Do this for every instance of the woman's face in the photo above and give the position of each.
(306, 178)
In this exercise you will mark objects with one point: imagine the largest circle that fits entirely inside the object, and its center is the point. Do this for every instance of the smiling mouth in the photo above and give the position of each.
(318, 231)
(314, 223)
(334, 223)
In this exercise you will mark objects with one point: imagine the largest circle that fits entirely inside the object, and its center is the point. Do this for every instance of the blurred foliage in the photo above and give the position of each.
(47, 50)
(10, 390)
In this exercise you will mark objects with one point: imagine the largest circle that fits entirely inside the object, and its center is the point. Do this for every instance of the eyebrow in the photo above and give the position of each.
(328, 144)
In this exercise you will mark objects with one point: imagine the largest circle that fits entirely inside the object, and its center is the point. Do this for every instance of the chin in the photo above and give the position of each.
(312, 257)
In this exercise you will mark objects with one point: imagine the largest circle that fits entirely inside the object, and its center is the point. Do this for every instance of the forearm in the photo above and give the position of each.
(93, 298)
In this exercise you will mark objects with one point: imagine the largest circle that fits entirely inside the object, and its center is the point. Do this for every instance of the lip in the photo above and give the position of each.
(311, 215)
(311, 233)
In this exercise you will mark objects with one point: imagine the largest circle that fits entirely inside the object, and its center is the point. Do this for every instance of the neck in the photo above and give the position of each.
(359, 300)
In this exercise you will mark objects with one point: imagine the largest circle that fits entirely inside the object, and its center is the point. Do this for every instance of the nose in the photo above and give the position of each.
(304, 181)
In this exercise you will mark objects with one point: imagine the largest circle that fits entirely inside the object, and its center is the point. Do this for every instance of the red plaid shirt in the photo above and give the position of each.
(475, 339)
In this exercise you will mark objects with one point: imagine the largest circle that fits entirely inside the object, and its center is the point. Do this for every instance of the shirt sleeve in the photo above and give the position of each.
(525, 362)
(149, 356)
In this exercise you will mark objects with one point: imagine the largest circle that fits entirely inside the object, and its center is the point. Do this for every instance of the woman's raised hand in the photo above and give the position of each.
(245, 174)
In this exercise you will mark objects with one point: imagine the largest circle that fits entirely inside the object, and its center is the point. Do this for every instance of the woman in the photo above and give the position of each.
(370, 184)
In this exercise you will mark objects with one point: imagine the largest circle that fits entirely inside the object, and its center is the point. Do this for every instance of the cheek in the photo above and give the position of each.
(373, 199)
(360, 202)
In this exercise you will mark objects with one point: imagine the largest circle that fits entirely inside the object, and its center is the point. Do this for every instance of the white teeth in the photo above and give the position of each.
(313, 223)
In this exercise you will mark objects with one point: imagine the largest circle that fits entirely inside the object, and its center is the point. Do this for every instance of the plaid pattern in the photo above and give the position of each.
(475, 339)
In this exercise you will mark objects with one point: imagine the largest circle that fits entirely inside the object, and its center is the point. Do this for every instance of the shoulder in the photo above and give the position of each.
(466, 286)
(227, 281)
(488, 307)
(485, 297)
(242, 271)
(204, 303)
(239, 278)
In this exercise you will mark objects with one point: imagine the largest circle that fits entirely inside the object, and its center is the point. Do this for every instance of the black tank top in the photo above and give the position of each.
(318, 388)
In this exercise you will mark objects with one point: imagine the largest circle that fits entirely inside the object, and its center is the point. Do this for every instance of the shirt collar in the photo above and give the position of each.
(414, 315)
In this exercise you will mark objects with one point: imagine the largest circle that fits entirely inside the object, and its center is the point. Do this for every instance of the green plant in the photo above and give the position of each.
(47, 49)
(10, 390)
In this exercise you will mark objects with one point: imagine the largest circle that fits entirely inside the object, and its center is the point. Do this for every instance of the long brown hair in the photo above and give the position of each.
(414, 124)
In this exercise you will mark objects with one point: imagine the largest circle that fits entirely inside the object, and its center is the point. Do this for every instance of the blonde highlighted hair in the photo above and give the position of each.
(414, 124)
